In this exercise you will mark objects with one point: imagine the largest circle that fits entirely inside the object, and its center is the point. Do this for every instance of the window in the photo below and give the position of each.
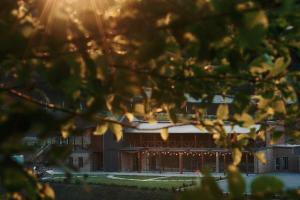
(277, 164)
(285, 163)
(80, 162)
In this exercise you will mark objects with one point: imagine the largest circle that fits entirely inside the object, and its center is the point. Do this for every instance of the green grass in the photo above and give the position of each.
(181, 178)
(103, 180)
(136, 177)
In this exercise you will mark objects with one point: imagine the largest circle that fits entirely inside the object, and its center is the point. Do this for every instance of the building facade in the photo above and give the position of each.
(187, 149)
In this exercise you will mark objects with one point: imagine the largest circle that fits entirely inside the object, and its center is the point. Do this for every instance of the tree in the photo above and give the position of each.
(89, 59)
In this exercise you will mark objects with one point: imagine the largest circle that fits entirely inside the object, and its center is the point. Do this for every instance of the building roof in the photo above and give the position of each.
(144, 127)
(286, 145)
(218, 99)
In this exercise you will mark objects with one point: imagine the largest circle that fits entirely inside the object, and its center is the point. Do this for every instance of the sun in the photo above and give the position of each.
(72, 8)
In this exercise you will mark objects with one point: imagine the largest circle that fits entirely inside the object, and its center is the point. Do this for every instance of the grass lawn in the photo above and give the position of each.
(182, 178)
(139, 182)
(136, 177)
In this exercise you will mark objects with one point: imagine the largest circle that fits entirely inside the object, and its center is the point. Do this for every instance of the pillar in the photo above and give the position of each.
(217, 163)
(180, 163)
(247, 163)
(139, 161)
(202, 161)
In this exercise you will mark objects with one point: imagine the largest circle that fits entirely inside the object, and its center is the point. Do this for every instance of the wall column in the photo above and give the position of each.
(224, 157)
(247, 164)
(217, 163)
(202, 161)
(139, 161)
(180, 163)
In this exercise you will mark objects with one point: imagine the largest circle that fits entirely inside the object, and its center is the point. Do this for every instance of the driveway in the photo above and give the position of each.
(290, 180)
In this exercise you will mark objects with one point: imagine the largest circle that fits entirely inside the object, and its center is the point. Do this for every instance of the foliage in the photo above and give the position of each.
(70, 59)
(262, 187)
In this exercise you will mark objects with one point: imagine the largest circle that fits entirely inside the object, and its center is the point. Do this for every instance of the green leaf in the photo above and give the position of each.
(223, 112)
(236, 184)
(266, 185)
(276, 135)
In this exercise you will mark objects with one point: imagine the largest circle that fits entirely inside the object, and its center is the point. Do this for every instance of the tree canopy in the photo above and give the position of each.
(60, 60)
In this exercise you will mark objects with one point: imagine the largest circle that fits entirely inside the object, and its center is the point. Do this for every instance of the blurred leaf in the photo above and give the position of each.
(261, 156)
(109, 101)
(280, 107)
(139, 108)
(245, 118)
(236, 156)
(172, 116)
(279, 67)
(129, 116)
(164, 133)
(48, 192)
(266, 184)
(117, 129)
(236, 184)
(223, 112)
(276, 135)
(101, 129)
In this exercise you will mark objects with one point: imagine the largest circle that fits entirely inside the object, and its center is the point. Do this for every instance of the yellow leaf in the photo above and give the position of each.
(65, 134)
(261, 135)
(223, 112)
(66, 129)
(101, 129)
(48, 191)
(200, 127)
(109, 100)
(139, 108)
(208, 122)
(90, 101)
(280, 107)
(152, 121)
(129, 116)
(262, 102)
(258, 18)
(236, 156)
(117, 129)
(190, 37)
(279, 66)
(245, 118)
(242, 136)
(164, 133)
(261, 156)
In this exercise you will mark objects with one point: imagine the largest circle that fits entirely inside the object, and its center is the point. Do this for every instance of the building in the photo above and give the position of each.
(188, 149)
